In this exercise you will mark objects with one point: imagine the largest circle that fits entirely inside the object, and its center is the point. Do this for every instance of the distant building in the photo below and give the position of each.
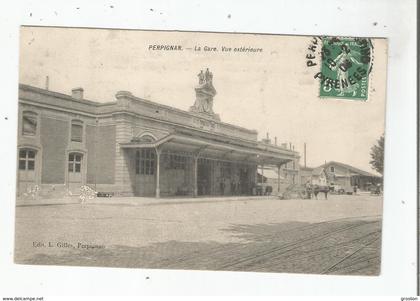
(132, 146)
(340, 174)
(348, 176)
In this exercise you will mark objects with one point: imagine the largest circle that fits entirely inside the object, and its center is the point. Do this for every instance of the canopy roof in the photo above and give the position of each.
(210, 146)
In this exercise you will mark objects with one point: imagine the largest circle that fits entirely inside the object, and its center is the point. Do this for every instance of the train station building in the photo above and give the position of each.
(136, 147)
(341, 175)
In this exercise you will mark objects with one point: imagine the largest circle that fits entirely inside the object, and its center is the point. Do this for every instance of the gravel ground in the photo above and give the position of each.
(341, 235)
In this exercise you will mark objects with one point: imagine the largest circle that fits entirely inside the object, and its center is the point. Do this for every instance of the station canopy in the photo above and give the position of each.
(217, 147)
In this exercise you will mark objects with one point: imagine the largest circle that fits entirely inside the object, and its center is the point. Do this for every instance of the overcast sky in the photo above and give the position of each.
(273, 91)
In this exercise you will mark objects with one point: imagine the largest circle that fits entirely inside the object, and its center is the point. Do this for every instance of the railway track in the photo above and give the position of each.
(316, 252)
(266, 258)
(277, 251)
(352, 263)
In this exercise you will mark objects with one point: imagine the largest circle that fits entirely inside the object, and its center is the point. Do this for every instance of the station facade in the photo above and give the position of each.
(136, 147)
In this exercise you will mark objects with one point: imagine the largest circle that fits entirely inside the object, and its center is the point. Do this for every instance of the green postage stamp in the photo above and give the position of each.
(345, 67)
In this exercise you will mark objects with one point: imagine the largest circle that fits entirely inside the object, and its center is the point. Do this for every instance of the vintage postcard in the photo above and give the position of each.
(198, 150)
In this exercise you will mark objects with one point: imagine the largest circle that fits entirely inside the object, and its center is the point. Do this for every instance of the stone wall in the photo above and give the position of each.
(54, 140)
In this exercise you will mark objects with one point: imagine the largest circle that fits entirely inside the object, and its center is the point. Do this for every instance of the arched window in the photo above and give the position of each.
(332, 169)
(147, 138)
(144, 138)
(145, 162)
(77, 130)
(29, 123)
(27, 159)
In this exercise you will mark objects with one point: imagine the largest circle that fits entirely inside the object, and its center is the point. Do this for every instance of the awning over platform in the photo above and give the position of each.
(218, 148)
(270, 174)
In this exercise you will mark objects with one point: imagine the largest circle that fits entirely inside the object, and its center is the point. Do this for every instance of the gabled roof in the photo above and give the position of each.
(351, 169)
(318, 170)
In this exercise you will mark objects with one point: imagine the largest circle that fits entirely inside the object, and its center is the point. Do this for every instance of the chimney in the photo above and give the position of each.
(275, 141)
(77, 93)
(304, 154)
(267, 139)
(47, 83)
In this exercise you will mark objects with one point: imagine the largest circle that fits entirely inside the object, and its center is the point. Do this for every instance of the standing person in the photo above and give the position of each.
(378, 189)
(326, 190)
(308, 190)
(355, 189)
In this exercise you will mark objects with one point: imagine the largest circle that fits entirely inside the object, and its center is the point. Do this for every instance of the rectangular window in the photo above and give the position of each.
(31, 154)
(145, 162)
(75, 163)
(76, 132)
(22, 164)
(29, 125)
(31, 165)
(26, 160)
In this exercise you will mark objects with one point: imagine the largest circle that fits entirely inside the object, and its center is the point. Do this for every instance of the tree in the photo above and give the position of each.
(377, 155)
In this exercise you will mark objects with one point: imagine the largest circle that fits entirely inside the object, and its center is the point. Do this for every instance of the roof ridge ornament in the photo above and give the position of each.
(205, 92)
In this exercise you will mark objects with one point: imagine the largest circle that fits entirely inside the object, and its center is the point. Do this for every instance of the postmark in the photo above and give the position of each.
(345, 65)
